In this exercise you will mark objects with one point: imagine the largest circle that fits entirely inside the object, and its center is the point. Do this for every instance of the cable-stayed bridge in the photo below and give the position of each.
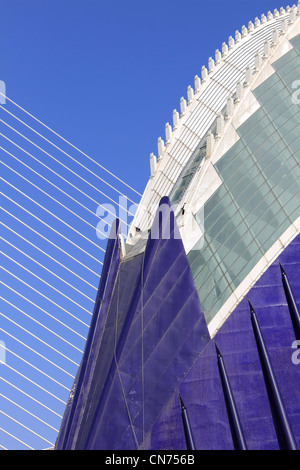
(57, 207)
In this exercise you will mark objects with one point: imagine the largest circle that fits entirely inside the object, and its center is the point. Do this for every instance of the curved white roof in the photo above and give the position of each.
(227, 74)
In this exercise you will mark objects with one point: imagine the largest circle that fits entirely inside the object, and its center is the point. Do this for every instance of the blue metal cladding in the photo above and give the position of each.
(201, 388)
(149, 344)
(152, 331)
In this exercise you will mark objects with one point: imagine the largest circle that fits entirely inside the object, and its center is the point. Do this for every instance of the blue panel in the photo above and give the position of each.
(76, 400)
(201, 388)
(154, 330)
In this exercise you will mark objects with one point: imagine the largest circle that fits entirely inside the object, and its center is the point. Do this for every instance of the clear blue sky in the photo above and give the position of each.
(106, 75)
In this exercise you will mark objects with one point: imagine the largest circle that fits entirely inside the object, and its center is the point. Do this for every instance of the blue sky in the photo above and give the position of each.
(106, 75)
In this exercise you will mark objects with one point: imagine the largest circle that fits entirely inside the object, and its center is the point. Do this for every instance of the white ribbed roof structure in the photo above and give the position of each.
(244, 60)
(209, 119)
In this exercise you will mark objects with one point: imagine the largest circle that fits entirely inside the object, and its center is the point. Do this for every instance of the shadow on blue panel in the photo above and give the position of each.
(152, 331)
(201, 388)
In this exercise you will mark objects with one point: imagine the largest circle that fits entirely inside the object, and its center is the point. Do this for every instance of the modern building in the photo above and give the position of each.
(193, 341)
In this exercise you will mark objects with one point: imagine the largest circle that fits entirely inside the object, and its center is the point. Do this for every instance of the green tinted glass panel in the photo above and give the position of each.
(260, 194)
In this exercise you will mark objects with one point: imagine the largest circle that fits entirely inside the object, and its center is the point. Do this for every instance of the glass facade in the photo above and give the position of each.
(260, 195)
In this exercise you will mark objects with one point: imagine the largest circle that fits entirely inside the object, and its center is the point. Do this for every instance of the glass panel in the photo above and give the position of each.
(260, 194)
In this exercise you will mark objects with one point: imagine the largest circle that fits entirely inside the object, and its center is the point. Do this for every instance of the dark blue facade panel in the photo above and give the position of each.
(77, 402)
(153, 331)
(201, 389)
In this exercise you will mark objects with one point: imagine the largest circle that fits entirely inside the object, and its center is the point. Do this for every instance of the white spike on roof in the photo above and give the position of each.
(284, 25)
(244, 31)
(210, 143)
(267, 48)
(175, 118)
(263, 19)
(168, 132)
(258, 61)
(197, 83)
(160, 147)
(153, 164)
(190, 94)
(231, 42)
(182, 106)
(275, 36)
(211, 64)
(293, 14)
(218, 57)
(224, 49)
(238, 36)
(229, 106)
(239, 91)
(248, 76)
(204, 73)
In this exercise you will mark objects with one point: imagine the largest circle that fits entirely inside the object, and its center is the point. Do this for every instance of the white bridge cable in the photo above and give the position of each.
(25, 427)
(46, 254)
(49, 241)
(34, 383)
(31, 397)
(47, 283)
(28, 412)
(49, 271)
(55, 173)
(68, 155)
(40, 308)
(47, 298)
(43, 326)
(37, 369)
(39, 339)
(37, 353)
(51, 228)
(69, 143)
(51, 197)
(51, 213)
(52, 184)
(67, 195)
(16, 438)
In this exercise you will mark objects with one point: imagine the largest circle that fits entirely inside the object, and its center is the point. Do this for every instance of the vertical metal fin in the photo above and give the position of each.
(238, 438)
(283, 429)
(294, 312)
(190, 444)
